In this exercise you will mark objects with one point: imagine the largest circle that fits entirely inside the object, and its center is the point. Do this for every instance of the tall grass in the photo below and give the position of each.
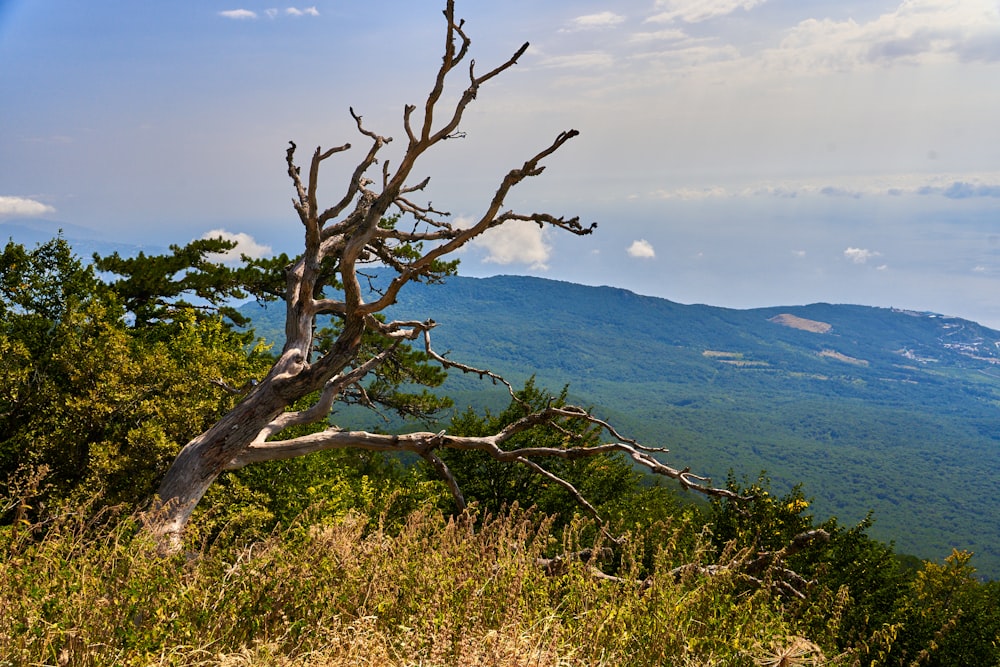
(437, 592)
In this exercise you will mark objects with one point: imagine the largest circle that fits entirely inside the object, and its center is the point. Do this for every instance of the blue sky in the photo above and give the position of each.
(734, 152)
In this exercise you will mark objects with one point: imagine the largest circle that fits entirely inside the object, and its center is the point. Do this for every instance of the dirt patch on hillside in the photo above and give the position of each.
(733, 359)
(843, 357)
(794, 322)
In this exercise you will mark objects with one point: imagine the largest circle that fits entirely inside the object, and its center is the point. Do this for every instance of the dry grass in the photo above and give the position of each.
(440, 592)
(833, 354)
(795, 322)
(793, 652)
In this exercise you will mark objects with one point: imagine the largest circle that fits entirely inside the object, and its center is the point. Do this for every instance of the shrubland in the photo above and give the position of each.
(372, 570)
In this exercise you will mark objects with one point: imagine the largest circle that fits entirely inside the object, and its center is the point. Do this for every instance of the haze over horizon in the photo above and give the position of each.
(737, 153)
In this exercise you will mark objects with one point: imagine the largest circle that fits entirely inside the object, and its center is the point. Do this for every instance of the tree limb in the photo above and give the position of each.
(786, 581)
(338, 242)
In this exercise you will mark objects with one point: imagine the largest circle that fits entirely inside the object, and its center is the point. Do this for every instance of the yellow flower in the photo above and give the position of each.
(797, 505)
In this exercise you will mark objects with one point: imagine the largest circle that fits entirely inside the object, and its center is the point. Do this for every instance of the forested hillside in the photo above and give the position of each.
(871, 409)
(347, 554)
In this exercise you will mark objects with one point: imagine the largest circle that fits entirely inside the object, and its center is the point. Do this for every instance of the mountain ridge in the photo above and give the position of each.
(84, 240)
(887, 410)
(871, 408)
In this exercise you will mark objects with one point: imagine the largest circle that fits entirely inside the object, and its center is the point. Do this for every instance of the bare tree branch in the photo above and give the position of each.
(338, 242)
(421, 442)
(449, 479)
(242, 389)
(577, 496)
(320, 410)
(752, 567)
(357, 180)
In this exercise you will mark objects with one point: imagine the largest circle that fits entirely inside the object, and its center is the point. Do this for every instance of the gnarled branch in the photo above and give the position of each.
(338, 242)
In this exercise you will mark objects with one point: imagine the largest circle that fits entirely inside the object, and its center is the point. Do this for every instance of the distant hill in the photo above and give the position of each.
(877, 409)
(870, 408)
(85, 241)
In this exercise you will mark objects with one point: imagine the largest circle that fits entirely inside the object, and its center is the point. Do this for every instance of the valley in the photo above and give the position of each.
(871, 409)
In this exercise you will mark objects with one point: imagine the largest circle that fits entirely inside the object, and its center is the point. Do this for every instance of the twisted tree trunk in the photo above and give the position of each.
(338, 241)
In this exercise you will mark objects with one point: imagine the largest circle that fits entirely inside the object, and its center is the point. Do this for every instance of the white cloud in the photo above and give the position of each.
(600, 20)
(916, 32)
(516, 242)
(908, 33)
(642, 249)
(245, 245)
(462, 222)
(693, 11)
(240, 14)
(862, 255)
(672, 35)
(23, 206)
(309, 11)
(245, 14)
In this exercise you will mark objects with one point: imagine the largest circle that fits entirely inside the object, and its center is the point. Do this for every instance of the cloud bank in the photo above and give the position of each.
(916, 32)
(962, 190)
(680, 41)
(950, 187)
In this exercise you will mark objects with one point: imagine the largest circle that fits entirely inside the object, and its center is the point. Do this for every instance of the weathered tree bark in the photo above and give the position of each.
(338, 241)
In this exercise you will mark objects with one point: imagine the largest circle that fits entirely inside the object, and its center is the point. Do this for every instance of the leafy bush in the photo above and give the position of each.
(495, 485)
(97, 404)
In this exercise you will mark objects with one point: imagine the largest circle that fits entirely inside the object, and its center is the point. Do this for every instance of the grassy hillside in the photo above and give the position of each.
(871, 409)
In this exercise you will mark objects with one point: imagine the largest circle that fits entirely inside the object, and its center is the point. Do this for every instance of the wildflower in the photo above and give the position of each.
(797, 505)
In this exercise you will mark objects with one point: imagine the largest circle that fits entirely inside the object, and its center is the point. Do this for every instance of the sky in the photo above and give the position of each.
(738, 153)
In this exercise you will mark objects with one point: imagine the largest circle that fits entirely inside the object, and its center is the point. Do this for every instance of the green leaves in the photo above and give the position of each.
(102, 382)
(101, 402)
(495, 485)
(399, 384)
(42, 283)
(154, 288)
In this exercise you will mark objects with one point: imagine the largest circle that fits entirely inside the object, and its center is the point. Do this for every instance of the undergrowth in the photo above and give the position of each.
(346, 591)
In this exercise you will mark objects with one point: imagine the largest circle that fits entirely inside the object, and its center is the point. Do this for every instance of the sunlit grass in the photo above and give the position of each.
(437, 592)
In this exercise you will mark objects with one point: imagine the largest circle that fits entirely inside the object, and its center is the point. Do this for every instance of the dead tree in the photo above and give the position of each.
(339, 241)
